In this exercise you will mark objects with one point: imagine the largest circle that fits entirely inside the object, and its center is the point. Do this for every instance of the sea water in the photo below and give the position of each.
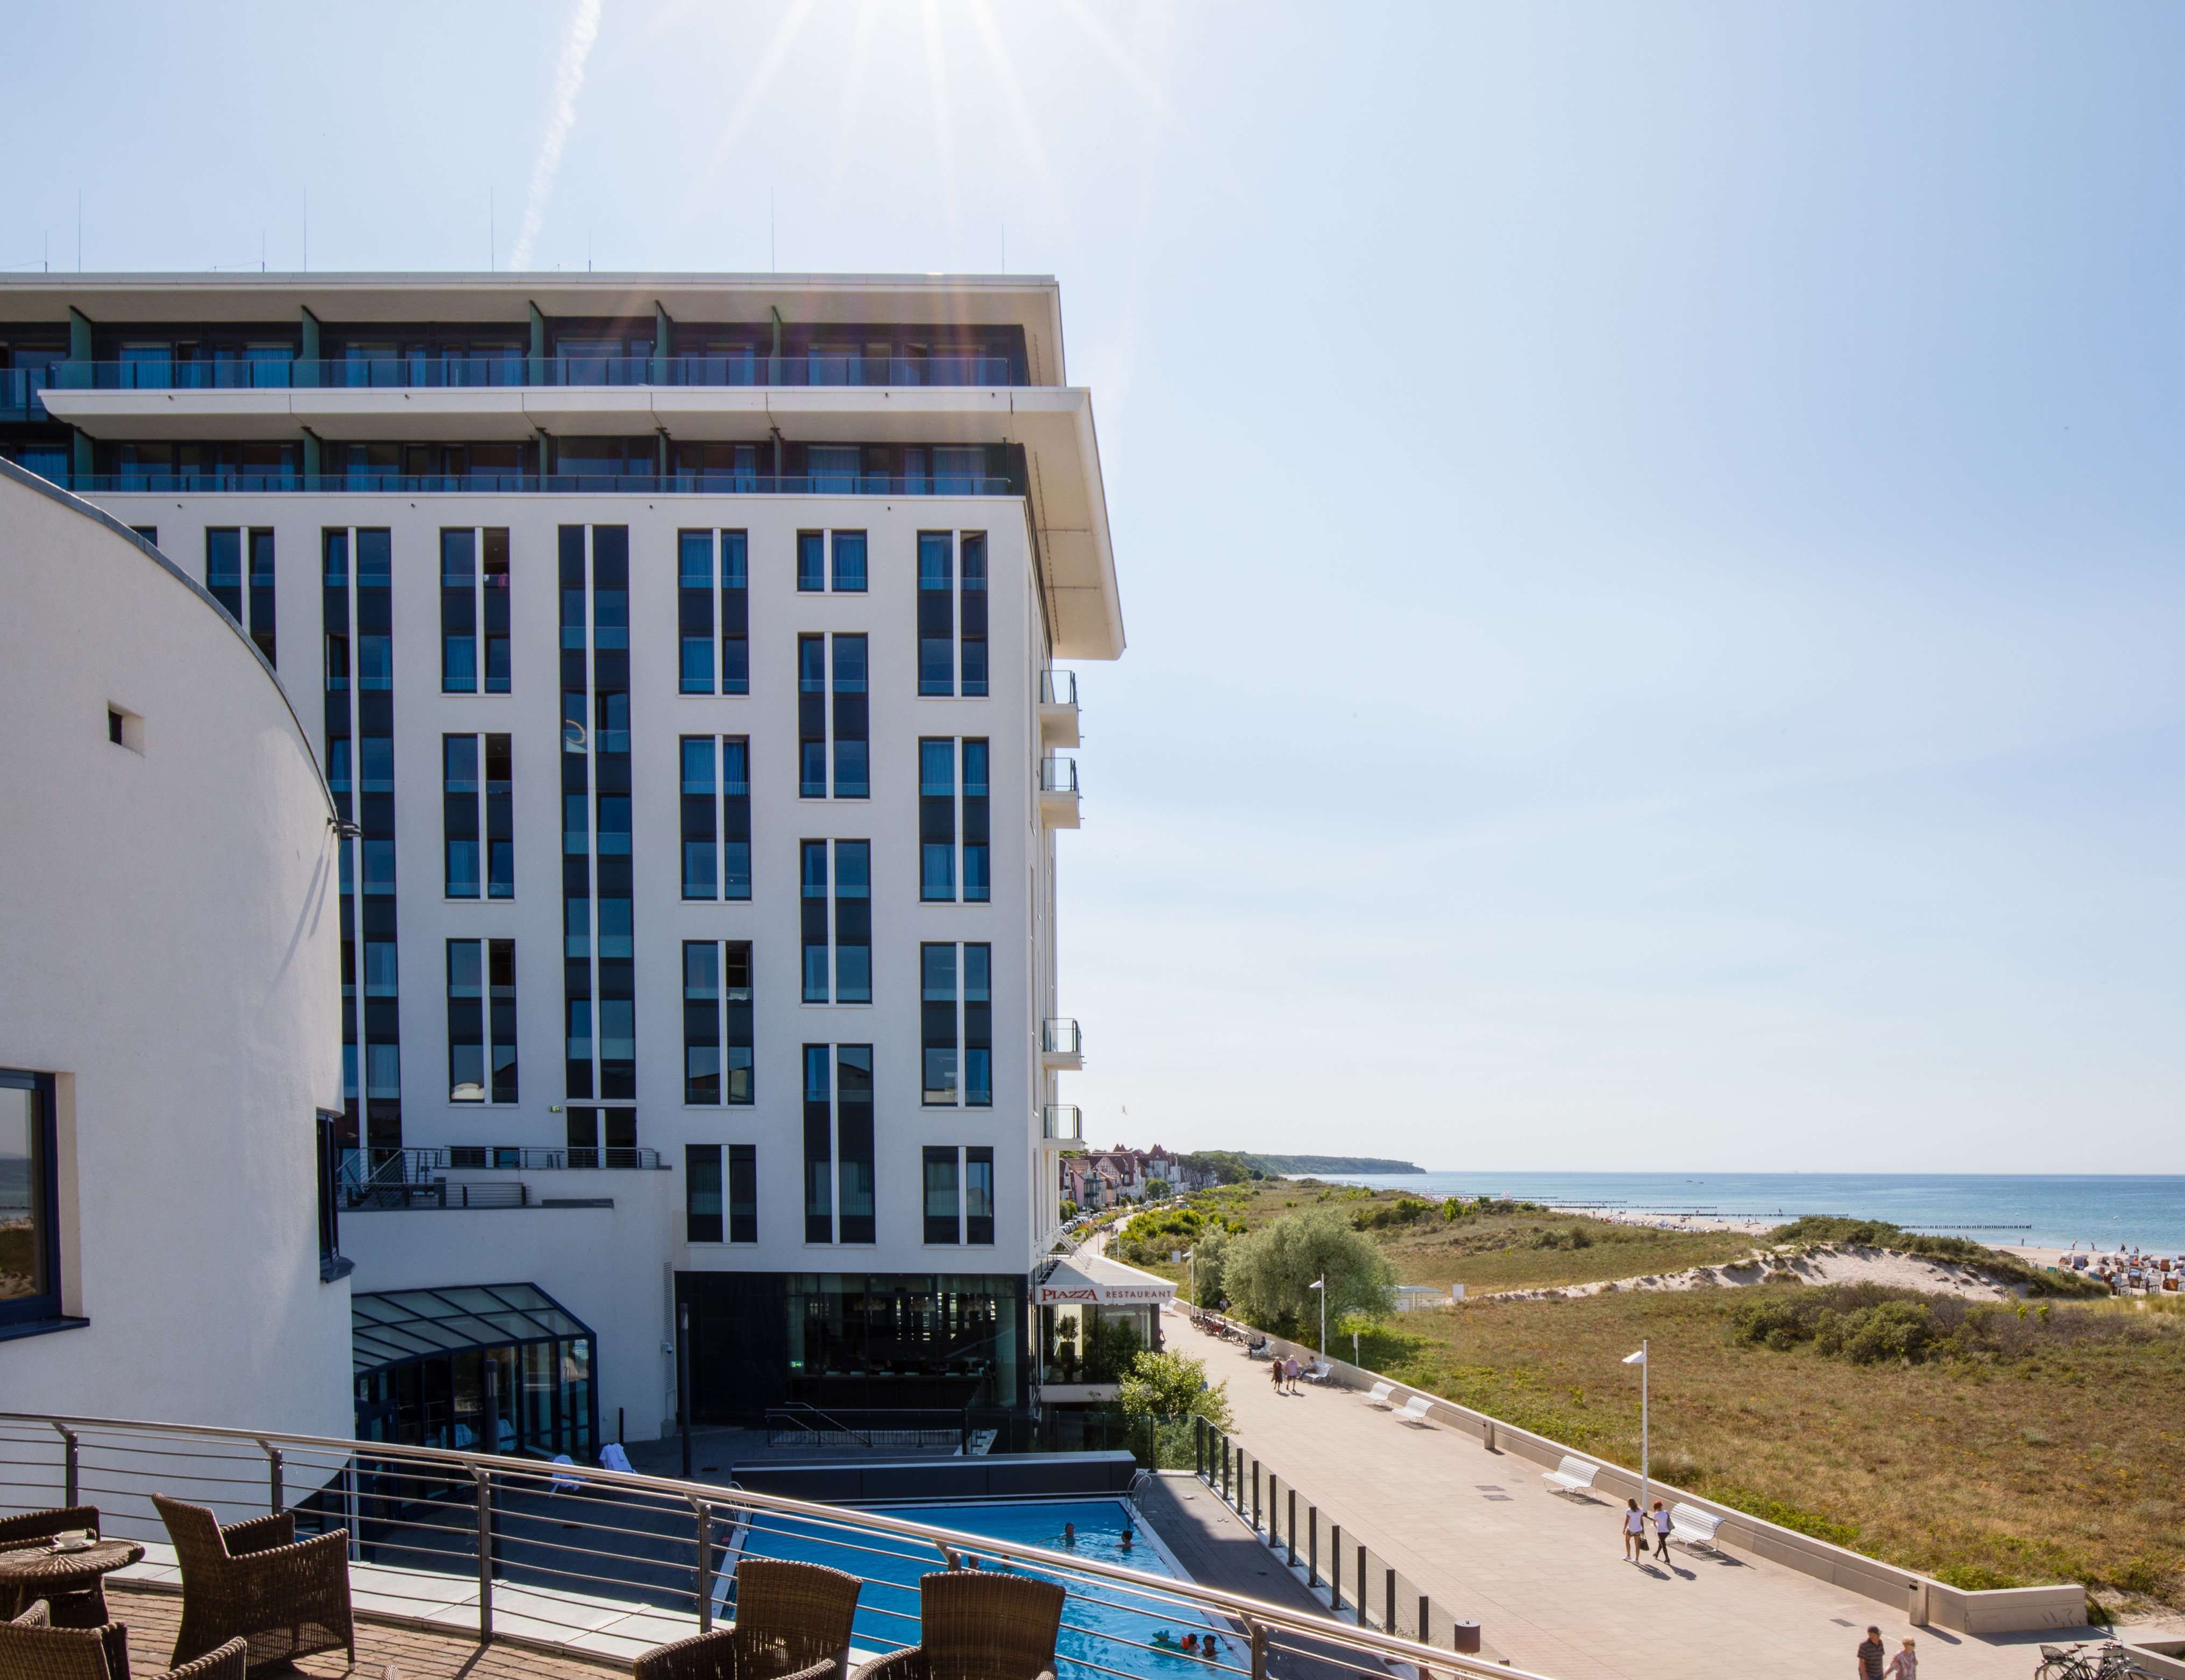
(2046, 1210)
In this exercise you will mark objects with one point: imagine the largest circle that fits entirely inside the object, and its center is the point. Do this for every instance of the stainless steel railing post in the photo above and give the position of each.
(273, 1499)
(68, 1465)
(484, 1479)
(705, 1564)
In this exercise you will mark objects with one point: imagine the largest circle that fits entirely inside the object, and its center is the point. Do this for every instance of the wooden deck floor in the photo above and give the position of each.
(407, 1653)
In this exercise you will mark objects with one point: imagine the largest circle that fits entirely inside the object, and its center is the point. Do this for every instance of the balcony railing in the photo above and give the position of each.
(1057, 775)
(473, 373)
(18, 394)
(383, 1167)
(257, 484)
(1063, 1123)
(565, 1550)
(1058, 688)
(1060, 1038)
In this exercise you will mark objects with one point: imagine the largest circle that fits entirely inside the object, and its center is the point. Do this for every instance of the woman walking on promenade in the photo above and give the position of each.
(1905, 1665)
(1634, 1532)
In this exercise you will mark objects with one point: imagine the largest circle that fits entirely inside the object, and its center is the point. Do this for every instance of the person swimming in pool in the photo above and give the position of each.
(1068, 1533)
(1191, 1644)
(1129, 1535)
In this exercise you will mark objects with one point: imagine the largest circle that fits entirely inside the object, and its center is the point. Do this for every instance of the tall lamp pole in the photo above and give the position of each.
(1320, 1284)
(1641, 1360)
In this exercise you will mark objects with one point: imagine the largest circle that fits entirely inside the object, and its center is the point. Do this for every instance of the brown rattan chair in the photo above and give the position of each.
(83, 1609)
(792, 1623)
(255, 1581)
(31, 1649)
(977, 1626)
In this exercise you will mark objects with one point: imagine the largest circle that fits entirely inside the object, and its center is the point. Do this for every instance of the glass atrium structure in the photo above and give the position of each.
(485, 1368)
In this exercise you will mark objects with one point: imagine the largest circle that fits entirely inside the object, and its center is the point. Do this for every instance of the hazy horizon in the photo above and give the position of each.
(1649, 539)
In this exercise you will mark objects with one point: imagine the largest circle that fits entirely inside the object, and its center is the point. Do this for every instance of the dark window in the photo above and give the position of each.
(937, 627)
(937, 1025)
(702, 1021)
(814, 922)
(695, 609)
(459, 661)
(261, 592)
(819, 1144)
(30, 1225)
(811, 561)
(114, 726)
(736, 614)
(853, 1133)
(613, 959)
(224, 568)
(850, 562)
(979, 1195)
(936, 819)
(853, 771)
(500, 1017)
(943, 1204)
(812, 716)
(743, 1193)
(978, 1026)
(700, 846)
(382, 1028)
(494, 601)
(329, 1128)
(978, 871)
(702, 1190)
(736, 994)
(972, 616)
(576, 821)
(465, 1021)
(853, 922)
(460, 815)
(499, 819)
(735, 816)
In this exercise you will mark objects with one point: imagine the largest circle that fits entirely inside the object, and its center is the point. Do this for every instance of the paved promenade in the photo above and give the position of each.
(1545, 1577)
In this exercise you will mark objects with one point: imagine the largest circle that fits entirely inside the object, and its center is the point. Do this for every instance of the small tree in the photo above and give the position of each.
(1210, 1255)
(1173, 1386)
(1269, 1272)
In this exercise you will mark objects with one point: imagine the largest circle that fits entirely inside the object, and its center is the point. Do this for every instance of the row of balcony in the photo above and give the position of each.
(270, 483)
(20, 387)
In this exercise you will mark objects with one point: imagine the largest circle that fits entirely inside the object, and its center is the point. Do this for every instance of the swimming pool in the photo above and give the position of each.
(1098, 1611)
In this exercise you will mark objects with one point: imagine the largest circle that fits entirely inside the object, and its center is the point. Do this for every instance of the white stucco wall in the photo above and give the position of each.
(172, 957)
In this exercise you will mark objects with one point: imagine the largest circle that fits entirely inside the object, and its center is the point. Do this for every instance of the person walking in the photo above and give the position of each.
(1293, 1369)
(1870, 1655)
(1905, 1665)
(1662, 1536)
(1635, 1535)
(1275, 1370)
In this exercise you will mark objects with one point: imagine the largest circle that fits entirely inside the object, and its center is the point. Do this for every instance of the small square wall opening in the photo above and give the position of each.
(125, 728)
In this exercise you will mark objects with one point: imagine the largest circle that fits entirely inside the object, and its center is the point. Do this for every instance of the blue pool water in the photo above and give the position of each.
(887, 1608)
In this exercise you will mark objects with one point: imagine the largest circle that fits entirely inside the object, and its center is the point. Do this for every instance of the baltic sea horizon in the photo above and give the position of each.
(2108, 1210)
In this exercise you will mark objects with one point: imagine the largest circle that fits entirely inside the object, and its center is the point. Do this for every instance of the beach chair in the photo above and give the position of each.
(1415, 1411)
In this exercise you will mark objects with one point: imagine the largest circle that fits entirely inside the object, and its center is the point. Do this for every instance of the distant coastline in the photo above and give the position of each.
(1307, 1166)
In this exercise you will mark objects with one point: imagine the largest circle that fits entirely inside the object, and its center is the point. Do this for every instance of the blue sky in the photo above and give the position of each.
(1649, 536)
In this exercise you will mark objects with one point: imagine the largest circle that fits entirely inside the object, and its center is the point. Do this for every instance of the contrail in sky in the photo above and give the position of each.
(569, 79)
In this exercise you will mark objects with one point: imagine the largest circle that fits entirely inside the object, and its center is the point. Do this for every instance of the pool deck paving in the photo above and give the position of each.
(1543, 1574)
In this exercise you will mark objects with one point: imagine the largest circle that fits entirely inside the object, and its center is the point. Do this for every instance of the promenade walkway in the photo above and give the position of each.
(1545, 1577)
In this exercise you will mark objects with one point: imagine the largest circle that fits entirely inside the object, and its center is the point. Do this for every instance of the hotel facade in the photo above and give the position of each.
(682, 654)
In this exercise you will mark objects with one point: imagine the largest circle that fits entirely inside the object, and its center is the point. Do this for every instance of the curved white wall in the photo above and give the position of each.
(170, 950)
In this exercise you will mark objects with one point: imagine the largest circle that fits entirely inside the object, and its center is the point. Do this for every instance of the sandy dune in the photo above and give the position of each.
(1817, 1263)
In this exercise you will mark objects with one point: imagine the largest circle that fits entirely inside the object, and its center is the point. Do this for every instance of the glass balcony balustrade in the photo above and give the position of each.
(244, 482)
(1060, 1038)
(1063, 1123)
(485, 372)
(19, 400)
(1058, 776)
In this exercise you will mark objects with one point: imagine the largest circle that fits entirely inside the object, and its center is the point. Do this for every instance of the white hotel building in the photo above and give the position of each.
(680, 652)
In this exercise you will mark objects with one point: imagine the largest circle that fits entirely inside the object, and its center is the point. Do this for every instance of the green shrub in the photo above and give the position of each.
(1974, 1577)
(1784, 1516)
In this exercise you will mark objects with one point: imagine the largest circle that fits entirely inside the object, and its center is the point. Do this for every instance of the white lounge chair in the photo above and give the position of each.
(1384, 1395)
(1415, 1411)
(1690, 1526)
(1318, 1371)
(1572, 1475)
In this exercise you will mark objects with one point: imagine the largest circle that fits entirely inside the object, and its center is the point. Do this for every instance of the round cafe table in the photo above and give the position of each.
(35, 1571)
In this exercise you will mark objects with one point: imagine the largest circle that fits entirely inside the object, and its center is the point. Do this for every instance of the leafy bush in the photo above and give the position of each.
(1973, 1577)
(1406, 1210)
(1784, 1516)
(1269, 1272)
(1173, 1385)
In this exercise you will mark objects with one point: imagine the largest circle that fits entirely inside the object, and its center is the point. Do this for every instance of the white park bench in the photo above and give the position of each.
(1415, 1410)
(1384, 1395)
(1572, 1475)
(1690, 1526)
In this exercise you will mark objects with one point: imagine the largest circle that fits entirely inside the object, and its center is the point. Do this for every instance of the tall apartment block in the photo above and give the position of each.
(681, 653)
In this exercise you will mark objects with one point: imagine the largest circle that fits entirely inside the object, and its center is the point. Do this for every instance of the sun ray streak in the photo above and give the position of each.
(853, 87)
(762, 78)
(569, 82)
(1150, 91)
(936, 74)
(1027, 130)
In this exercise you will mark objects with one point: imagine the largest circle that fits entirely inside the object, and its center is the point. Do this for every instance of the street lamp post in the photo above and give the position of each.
(1320, 1284)
(1641, 1360)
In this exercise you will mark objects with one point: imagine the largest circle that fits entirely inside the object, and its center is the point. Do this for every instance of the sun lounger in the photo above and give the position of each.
(1384, 1395)
(1415, 1411)
(1318, 1371)
(1690, 1526)
(1572, 1475)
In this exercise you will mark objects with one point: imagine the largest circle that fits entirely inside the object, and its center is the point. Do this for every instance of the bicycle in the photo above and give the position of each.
(2066, 1663)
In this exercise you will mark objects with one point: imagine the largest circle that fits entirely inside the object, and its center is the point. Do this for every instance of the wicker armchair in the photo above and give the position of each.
(977, 1626)
(255, 1581)
(31, 1649)
(83, 1609)
(792, 1623)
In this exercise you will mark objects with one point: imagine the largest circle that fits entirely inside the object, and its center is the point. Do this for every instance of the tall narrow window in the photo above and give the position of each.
(736, 614)
(702, 1022)
(376, 855)
(971, 623)
(979, 1195)
(459, 611)
(224, 568)
(735, 816)
(938, 1024)
(702, 1190)
(576, 821)
(261, 592)
(460, 801)
(943, 1203)
(500, 1017)
(978, 871)
(741, 1087)
(852, 773)
(936, 820)
(819, 1144)
(978, 1026)
(936, 626)
(700, 848)
(695, 609)
(811, 561)
(814, 922)
(853, 922)
(465, 1021)
(493, 601)
(853, 1134)
(849, 562)
(617, 968)
(341, 780)
(812, 716)
(29, 1285)
(743, 1193)
(499, 819)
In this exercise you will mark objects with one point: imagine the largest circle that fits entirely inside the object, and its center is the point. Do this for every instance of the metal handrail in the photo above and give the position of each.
(715, 1503)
